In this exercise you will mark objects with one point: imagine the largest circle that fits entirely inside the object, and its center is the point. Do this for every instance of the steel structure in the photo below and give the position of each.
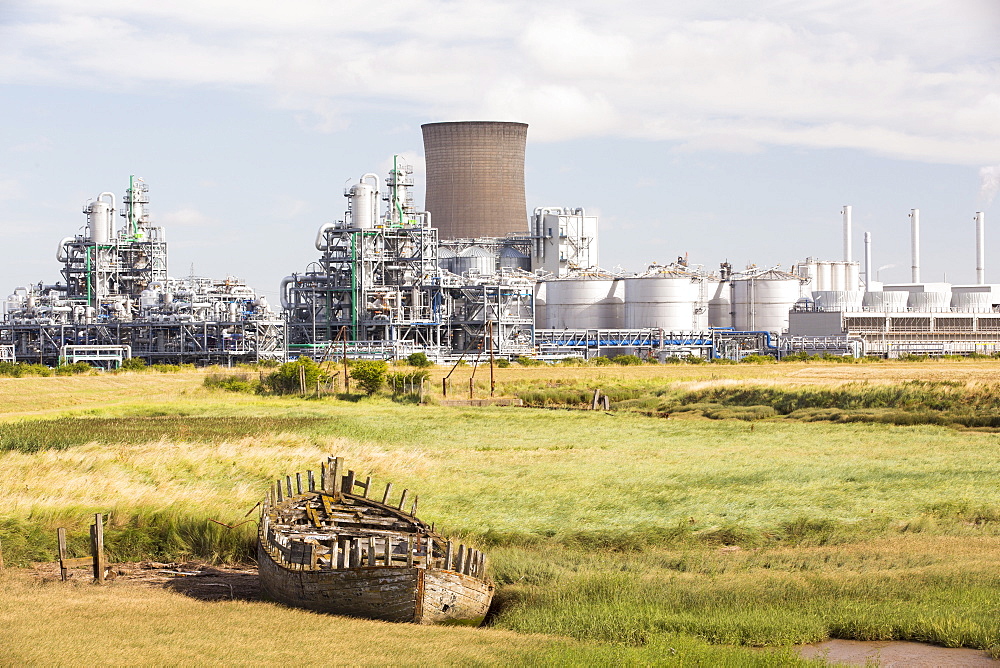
(378, 286)
(115, 293)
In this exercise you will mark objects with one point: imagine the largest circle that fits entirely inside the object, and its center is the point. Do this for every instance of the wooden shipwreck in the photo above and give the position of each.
(326, 544)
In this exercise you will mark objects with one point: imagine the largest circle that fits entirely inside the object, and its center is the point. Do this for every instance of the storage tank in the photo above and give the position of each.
(720, 306)
(852, 277)
(475, 178)
(887, 302)
(364, 206)
(512, 258)
(824, 276)
(477, 259)
(99, 219)
(584, 303)
(761, 301)
(838, 300)
(665, 300)
(838, 279)
(540, 306)
(446, 258)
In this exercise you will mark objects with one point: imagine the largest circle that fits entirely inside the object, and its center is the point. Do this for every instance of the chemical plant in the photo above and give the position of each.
(472, 275)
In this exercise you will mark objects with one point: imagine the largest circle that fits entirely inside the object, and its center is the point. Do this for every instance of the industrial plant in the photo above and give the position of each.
(472, 274)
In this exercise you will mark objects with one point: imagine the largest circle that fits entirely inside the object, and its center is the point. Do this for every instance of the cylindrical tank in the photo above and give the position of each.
(584, 303)
(364, 206)
(891, 301)
(477, 259)
(446, 258)
(512, 258)
(824, 276)
(720, 306)
(838, 280)
(666, 301)
(761, 302)
(99, 219)
(838, 300)
(540, 306)
(852, 276)
(929, 301)
(475, 178)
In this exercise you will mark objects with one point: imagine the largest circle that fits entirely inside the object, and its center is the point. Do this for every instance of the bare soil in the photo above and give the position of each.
(198, 580)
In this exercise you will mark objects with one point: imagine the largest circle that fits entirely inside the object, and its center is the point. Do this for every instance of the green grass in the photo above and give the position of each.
(620, 538)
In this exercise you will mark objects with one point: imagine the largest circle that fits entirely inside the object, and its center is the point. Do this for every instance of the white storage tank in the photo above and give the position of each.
(364, 206)
(761, 301)
(540, 309)
(446, 258)
(720, 306)
(512, 258)
(885, 301)
(476, 259)
(824, 276)
(838, 300)
(584, 303)
(99, 219)
(665, 300)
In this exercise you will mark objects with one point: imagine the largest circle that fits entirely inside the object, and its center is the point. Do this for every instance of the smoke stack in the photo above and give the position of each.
(915, 244)
(868, 261)
(980, 248)
(847, 233)
(475, 178)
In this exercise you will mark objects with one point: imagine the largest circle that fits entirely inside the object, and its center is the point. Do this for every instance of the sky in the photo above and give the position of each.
(688, 127)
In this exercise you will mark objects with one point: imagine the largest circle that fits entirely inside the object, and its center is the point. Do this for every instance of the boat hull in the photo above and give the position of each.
(389, 593)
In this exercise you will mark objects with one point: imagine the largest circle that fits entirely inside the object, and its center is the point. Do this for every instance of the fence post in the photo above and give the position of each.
(61, 542)
(97, 543)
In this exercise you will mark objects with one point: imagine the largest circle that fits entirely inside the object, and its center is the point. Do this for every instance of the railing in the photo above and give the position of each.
(334, 548)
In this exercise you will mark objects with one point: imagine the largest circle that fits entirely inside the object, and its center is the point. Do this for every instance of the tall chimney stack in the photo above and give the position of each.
(868, 261)
(847, 233)
(915, 244)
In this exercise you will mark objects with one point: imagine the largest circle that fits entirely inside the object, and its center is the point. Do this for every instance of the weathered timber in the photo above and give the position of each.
(362, 557)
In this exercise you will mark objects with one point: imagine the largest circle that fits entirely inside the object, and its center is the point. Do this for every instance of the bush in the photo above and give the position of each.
(503, 363)
(369, 375)
(600, 361)
(627, 360)
(287, 379)
(73, 369)
(232, 382)
(419, 360)
(528, 361)
(758, 359)
(133, 364)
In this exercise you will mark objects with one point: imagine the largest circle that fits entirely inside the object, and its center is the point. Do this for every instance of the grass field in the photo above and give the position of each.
(614, 537)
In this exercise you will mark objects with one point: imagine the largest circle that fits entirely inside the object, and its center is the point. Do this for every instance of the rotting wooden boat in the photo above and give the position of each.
(325, 544)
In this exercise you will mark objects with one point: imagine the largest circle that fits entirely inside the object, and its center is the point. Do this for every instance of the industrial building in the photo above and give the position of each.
(115, 299)
(474, 274)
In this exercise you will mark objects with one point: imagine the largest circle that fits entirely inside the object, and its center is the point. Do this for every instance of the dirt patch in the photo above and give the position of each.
(195, 579)
(894, 654)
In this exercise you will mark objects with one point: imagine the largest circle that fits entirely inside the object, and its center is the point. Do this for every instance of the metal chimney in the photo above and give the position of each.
(915, 244)
(847, 233)
(980, 248)
(475, 178)
(868, 261)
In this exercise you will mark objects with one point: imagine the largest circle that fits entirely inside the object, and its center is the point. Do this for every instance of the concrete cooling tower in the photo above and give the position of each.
(475, 178)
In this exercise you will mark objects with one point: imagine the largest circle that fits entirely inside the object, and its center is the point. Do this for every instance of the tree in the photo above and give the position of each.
(419, 360)
(369, 375)
(288, 378)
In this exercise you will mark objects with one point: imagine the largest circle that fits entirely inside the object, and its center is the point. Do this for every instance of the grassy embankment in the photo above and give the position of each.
(615, 530)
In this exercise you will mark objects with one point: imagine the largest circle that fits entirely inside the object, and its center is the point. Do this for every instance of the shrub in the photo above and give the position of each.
(503, 363)
(232, 382)
(369, 375)
(627, 360)
(287, 379)
(600, 361)
(758, 359)
(73, 369)
(133, 364)
(419, 360)
(529, 361)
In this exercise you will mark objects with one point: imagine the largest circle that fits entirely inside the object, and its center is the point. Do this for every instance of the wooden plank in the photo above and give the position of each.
(322, 475)
(356, 553)
(371, 550)
(409, 550)
(313, 516)
(448, 556)
(337, 472)
(388, 551)
(75, 562)
(334, 542)
(388, 491)
(327, 509)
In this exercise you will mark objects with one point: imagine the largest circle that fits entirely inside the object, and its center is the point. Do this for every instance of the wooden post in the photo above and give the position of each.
(288, 484)
(356, 561)
(460, 559)
(348, 483)
(322, 475)
(343, 556)
(298, 483)
(336, 473)
(493, 385)
(472, 387)
(388, 491)
(388, 551)
(302, 380)
(402, 500)
(597, 398)
(368, 485)
(444, 388)
(61, 541)
(413, 508)
(312, 480)
(1, 556)
(448, 556)
(97, 531)
(409, 551)
(347, 378)
(371, 550)
(280, 497)
(334, 542)
(607, 404)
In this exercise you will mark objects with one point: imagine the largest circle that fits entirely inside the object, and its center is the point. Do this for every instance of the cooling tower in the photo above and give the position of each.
(475, 178)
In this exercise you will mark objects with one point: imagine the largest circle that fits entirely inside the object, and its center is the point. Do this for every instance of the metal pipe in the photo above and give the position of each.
(980, 248)
(915, 245)
(868, 261)
(847, 233)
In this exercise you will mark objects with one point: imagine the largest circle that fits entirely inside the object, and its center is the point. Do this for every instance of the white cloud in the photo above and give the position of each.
(989, 183)
(916, 79)
(185, 217)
